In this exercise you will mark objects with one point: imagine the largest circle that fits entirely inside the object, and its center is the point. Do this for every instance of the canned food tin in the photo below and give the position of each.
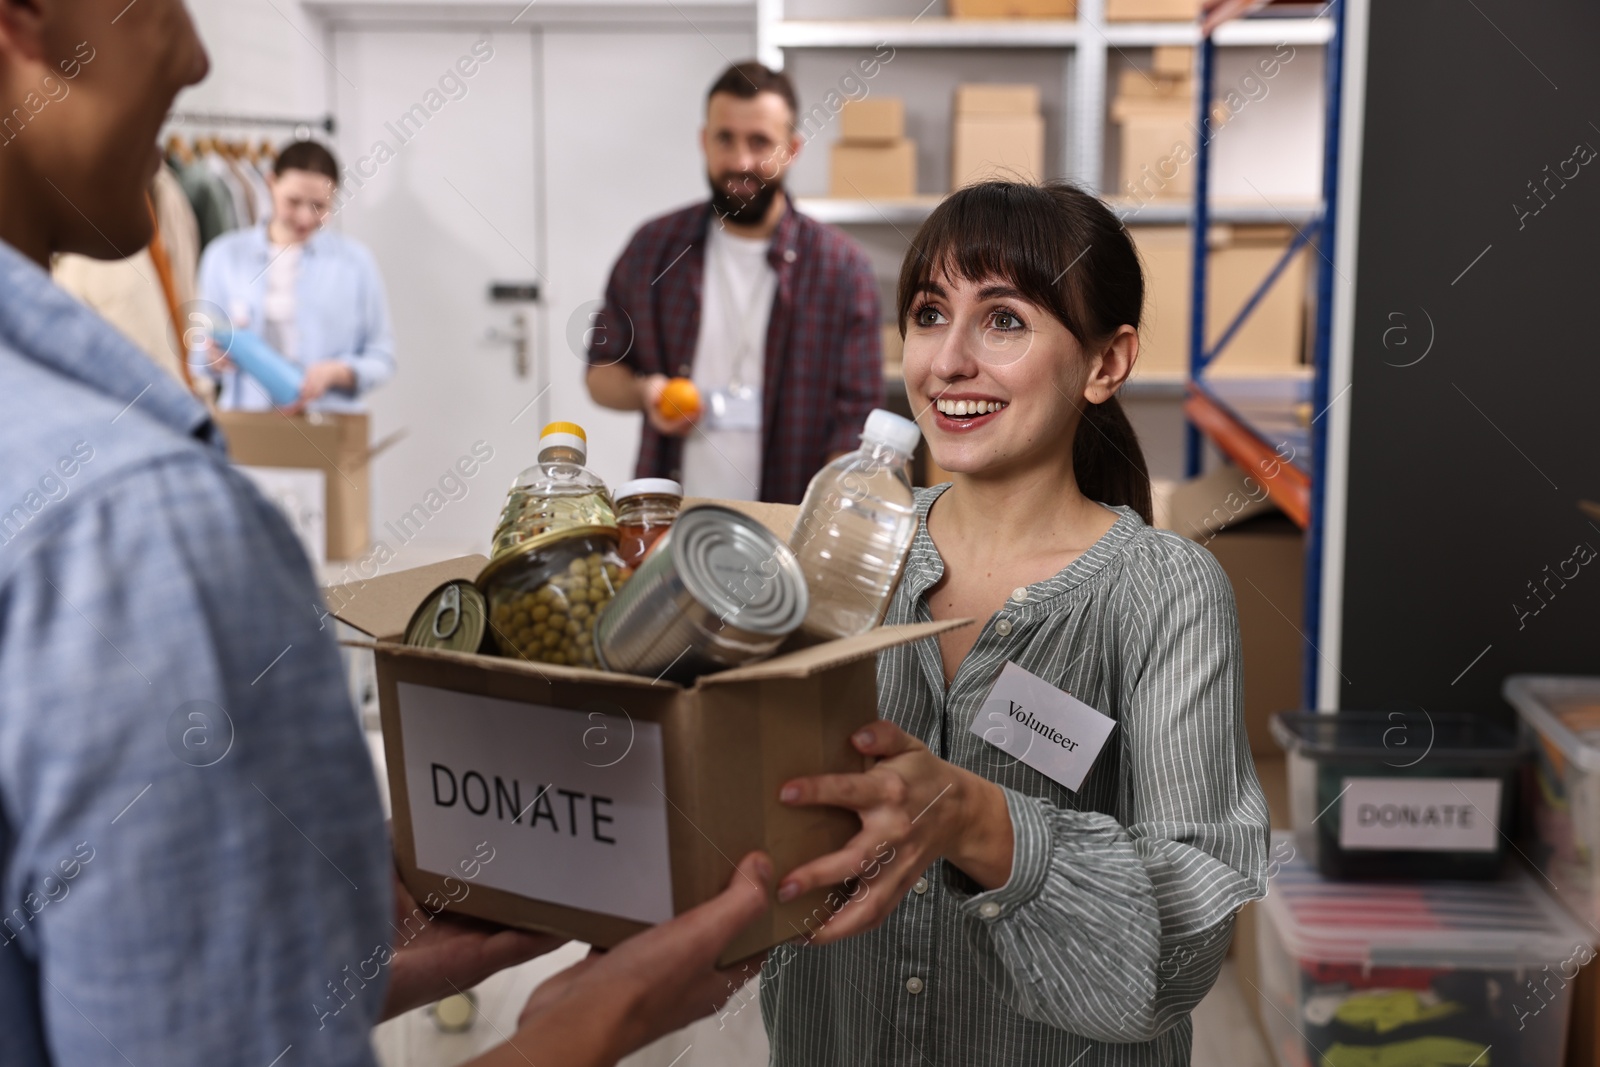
(720, 590)
(454, 617)
(545, 594)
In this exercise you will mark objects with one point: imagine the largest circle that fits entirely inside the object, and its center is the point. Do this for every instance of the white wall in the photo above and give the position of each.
(267, 58)
(622, 119)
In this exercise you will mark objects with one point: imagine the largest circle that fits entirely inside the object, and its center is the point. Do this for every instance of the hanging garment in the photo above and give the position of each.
(213, 209)
(129, 293)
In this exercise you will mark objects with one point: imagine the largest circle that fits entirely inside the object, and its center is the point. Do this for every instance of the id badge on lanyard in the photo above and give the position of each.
(734, 407)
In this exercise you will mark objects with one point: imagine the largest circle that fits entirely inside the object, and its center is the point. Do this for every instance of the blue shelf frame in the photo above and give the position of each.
(1318, 234)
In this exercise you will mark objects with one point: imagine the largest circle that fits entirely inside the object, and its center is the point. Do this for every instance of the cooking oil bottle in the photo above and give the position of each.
(556, 492)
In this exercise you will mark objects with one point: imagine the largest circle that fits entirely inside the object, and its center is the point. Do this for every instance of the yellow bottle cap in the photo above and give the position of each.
(564, 427)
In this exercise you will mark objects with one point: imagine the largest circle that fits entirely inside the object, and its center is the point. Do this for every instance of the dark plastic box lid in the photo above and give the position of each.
(1403, 738)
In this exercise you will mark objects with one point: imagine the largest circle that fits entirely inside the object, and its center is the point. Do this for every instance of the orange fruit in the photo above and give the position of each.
(679, 400)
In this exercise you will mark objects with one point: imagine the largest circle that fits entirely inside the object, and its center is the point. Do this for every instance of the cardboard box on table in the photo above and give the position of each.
(337, 446)
(610, 802)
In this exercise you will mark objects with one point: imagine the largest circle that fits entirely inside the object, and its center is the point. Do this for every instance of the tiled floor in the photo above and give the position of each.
(1225, 1034)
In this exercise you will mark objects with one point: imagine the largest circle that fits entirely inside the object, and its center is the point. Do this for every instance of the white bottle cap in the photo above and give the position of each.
(647, 487)
(887, 428)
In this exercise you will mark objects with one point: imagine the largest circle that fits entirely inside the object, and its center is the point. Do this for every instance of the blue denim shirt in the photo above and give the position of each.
(193, 860)
(342, 312)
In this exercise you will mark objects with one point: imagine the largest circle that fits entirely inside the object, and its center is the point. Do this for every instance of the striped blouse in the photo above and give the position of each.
(1119, 907)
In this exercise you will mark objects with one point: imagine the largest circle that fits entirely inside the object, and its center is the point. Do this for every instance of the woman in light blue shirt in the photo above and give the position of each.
(314, 295)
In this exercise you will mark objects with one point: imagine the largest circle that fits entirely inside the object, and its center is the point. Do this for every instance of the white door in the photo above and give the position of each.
(438, 132)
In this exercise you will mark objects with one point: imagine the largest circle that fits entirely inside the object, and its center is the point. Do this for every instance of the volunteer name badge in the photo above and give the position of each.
(733, 408)
(1051, 731)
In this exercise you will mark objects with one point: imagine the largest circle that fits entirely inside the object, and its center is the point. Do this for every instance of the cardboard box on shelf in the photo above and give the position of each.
(875, 120)
(893, 348)
(1173, 59)
(1157, 155)
(985, 98)
(1134, 84)
(1271, 339)
(592, 804)
(871, 171)
(1164, 324)
(1013, 9)
(1152, 10)
(336, 447)
(1008, 147)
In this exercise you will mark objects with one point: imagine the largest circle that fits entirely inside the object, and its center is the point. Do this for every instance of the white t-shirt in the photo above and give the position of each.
(737, 288)
(278, 303)
(278, 326)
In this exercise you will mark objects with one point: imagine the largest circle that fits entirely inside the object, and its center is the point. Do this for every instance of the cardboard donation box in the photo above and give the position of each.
(606, 803)
(998, 134)
(872, 158)
(315, 468)
(1013, 9)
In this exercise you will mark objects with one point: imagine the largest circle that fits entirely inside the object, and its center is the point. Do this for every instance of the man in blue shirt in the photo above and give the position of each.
(192, 851)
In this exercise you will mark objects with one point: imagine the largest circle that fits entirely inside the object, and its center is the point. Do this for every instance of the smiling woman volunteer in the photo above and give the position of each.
(313, 295)
(1027, 917)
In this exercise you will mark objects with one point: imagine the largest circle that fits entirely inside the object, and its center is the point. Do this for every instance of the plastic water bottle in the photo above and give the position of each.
(280, 378)
(855, 528)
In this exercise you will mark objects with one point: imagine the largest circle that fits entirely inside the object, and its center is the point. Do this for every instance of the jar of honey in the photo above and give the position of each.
(646, 507)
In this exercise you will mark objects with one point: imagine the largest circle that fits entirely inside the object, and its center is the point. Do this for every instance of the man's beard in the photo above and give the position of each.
(738, 210)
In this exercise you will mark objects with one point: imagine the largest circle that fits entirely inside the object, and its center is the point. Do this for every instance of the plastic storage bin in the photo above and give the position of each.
(1365, 974)
(1561, 787)
(1376, 794)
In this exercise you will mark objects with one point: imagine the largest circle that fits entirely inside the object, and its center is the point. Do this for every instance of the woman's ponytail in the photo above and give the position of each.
(1108, 462)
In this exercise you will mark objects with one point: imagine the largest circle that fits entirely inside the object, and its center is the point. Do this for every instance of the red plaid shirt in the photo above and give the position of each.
(824, 366)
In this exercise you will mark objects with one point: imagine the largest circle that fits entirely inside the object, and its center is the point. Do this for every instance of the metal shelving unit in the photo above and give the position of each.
(1256, 422)
(1084, 43)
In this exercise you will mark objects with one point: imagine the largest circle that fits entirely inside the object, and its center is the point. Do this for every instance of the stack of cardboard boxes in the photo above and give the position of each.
(1155, 109)
(1013, 9)
(998, 133)
(872, 158)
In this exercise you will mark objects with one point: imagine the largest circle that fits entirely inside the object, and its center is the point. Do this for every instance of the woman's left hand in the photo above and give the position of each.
(320, 377)
(914, 808)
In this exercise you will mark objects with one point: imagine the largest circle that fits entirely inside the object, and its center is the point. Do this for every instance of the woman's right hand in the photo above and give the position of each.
(612, 1003)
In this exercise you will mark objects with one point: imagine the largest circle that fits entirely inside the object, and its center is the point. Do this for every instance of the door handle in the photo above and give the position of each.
(517, 337)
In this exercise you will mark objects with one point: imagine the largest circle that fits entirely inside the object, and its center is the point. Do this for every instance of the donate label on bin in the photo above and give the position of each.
(572, 820)
(1420, 814)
